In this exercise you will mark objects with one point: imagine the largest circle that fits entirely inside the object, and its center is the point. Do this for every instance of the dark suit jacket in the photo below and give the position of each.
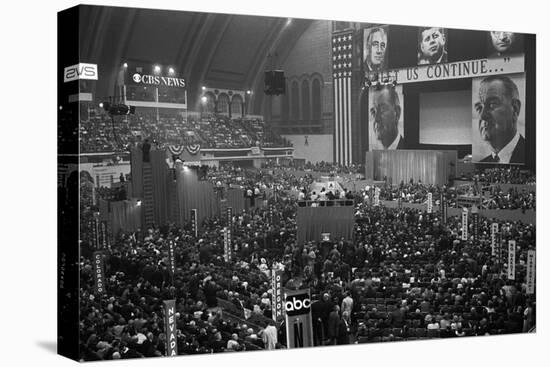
(401, 144)
(518, 154)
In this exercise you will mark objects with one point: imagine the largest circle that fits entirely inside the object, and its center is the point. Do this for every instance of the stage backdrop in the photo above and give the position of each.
(336, 220)
(429, 166)
(194, 194)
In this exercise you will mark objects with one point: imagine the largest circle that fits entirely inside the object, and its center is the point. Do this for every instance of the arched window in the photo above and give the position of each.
(306, 101)
(223, 104)
(236, 105)
(316, 100)
(210, 103)
(295, 102)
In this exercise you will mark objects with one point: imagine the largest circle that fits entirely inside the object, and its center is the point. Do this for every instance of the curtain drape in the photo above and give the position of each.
(402, 165)
(336, 220)
(194, 194)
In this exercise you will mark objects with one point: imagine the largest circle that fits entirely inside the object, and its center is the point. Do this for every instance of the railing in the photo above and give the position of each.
(325, 203)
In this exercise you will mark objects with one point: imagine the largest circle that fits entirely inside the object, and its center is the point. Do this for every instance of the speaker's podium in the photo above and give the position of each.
(315, 218)
(274, 82)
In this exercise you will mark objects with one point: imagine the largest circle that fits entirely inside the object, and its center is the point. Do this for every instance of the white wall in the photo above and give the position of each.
(319, 147)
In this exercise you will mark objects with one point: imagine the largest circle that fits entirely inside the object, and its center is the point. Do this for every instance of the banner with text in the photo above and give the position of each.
(227, 244)
(512, 259)
(171, 258)
(464, 225)
(299, 326)
(459, 69)
(99, 272)
(430, 202)
(277, 295)
(194, 223)
(494, 231)
(531, 271)
(170, 326)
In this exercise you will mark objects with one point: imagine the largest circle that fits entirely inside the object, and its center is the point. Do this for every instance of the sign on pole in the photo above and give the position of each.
(464, 224)
(170, 325)
(531, 271)
(376, 196)
(443, 205)
(99, 272)
(194, 223)
(512, 259)
(227, 244)
(299, 327)
(494, 231)
(277, 295)
(475, 223)
(430, 203)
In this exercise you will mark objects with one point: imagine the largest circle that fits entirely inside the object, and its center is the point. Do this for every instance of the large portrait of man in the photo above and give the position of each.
(432, 45)
(498, 124)
(386, 118)
(504, 43)
(375, 44)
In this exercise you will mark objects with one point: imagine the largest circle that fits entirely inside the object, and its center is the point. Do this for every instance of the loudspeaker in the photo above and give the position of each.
(274, 82)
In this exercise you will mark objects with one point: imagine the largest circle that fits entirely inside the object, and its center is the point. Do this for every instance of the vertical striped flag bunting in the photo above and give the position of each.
(342, 56)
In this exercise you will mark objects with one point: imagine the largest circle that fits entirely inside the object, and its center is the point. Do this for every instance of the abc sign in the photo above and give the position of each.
(297, 305)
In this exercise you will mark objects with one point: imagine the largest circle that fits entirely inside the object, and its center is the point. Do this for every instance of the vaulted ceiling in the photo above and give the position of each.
(216, 50)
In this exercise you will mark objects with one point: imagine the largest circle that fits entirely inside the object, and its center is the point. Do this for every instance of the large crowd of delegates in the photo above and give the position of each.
(493, 197)
(405, 276)
(99, 133)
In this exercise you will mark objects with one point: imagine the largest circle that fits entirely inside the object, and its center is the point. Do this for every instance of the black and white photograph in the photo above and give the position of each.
(386, 111)
(432, 45)
(498, 120)
(231, 183)
(375, 43)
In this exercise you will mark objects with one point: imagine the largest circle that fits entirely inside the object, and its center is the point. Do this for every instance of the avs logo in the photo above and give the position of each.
(298, 304)
(136, 78)
(80, 71)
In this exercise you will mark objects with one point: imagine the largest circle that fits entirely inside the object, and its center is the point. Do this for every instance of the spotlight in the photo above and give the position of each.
(204, 99)
(171, 70)
(60, 108)
(249, 92)
(125, 65)
(203, 87)
(138, 203)
(100, 104)
(157, 69)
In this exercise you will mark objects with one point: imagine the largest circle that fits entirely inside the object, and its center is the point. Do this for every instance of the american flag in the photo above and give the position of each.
(342, 56)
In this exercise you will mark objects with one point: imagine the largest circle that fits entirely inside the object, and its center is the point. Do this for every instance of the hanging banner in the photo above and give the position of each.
(171, 258)
(376, 196)
(94, 240)
(531, 271)
(227, 244)
(512, 259)
(430, 203)
(464, 225)
(299, 327)
(194, 223)
(494, 231)
(99, 272)
(170, 326)
(458, 70)
(277, 295)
